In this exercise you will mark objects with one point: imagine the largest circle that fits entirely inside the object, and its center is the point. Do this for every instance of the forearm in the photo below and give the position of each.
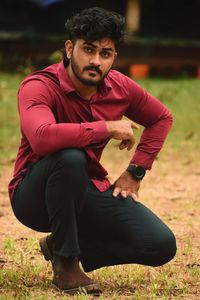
(49, 138)
(151, 142)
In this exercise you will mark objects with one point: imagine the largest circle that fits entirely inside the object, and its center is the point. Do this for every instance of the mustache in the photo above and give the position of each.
(94, 68)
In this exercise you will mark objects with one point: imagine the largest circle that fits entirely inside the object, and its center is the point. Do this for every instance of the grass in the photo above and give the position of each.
(181, 96)
(25, 275)
(9, 128)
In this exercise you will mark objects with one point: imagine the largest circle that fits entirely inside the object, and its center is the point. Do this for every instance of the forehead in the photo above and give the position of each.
(99, 44)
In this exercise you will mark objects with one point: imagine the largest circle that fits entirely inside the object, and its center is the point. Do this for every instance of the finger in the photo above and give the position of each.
(134, 125)
(116, 192)
(124, 144)
(124, 194)
(131, 143)
(134, 196)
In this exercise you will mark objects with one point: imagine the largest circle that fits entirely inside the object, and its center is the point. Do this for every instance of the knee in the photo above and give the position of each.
(165, 249)
(73, 161)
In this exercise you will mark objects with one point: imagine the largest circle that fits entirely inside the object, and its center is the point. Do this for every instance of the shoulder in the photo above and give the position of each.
(45, 75)
(41, 82)
(39, 86)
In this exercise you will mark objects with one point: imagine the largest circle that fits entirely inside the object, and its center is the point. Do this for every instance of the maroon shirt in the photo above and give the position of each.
(53, 116)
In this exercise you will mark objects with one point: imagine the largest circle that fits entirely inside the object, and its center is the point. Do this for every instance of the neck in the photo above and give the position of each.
(84, 91)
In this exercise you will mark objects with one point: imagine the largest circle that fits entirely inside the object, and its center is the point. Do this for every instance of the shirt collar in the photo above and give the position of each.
(68, 87)
(64, 79)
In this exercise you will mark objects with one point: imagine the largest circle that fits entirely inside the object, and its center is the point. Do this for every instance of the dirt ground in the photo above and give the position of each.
(10, 227)
(171, 190)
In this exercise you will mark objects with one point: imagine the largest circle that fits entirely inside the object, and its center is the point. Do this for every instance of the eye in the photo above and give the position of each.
(105, 54)
(88, 49)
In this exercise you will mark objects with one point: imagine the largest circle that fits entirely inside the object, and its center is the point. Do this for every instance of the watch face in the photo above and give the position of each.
(140, 172)
(137, 172)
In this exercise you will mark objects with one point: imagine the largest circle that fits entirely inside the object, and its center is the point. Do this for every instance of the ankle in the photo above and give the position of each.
(67, 264)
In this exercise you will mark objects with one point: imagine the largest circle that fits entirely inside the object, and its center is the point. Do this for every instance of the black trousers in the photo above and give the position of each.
(57, 196)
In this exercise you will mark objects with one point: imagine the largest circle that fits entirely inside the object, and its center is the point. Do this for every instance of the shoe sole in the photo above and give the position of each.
(93, 289)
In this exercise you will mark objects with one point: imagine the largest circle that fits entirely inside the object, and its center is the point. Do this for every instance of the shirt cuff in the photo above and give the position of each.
(143, 159)
(98, 130)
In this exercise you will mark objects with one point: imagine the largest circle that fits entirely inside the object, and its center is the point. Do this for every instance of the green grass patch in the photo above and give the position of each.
(182, 98)
(9, 121)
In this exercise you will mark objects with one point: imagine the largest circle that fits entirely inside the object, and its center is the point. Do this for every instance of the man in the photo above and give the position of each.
(68, 113)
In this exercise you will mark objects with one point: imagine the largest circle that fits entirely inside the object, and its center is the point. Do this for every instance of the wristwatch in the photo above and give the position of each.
(138, 172)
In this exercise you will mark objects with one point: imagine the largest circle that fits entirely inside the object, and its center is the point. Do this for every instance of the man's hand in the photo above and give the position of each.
(122, 130)
(126, 185)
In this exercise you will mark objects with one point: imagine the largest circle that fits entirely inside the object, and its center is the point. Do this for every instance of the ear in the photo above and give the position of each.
(68, 48)
(115, 56)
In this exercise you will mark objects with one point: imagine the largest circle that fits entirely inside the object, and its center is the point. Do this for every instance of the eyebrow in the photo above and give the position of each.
(94, 46)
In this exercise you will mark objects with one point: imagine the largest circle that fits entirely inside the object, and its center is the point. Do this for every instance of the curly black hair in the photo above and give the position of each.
(94, 24)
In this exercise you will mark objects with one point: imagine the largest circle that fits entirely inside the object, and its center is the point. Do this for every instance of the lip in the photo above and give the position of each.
(92, 71)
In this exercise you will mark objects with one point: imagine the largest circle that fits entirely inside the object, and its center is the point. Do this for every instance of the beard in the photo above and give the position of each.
(86, 81)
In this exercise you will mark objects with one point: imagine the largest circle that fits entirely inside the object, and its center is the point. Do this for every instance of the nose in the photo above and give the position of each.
(95, 60)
